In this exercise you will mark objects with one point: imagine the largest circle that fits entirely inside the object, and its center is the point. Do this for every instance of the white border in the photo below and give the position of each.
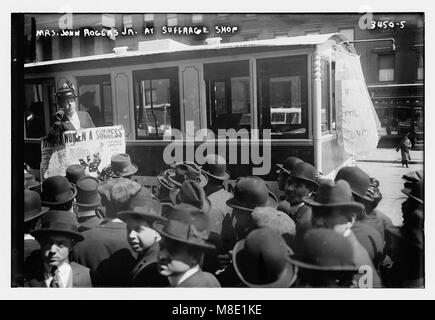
(216, 6)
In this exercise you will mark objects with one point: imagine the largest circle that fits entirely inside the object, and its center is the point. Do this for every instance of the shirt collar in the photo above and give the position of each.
(176, 280)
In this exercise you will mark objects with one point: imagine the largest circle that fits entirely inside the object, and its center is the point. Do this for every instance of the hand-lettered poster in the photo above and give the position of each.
(91, 148)
(357, 122)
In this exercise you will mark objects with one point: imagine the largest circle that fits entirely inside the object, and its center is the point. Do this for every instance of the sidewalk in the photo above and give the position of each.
(389, 155)
(385, 165)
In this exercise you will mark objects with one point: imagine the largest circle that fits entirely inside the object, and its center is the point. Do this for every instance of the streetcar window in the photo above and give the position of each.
(95, 97)
(39, 102)
(156, 102)
(325, 100)
(282, 96)
(228, 95)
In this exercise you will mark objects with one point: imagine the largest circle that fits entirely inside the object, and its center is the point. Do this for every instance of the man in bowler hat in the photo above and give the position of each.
(105, 248)
(142, 212)
(334, 208)
(301, 184)
(88, 202)
(405, 244)
(57, 236)
(368, 228)
(58, 193)
(184, 240)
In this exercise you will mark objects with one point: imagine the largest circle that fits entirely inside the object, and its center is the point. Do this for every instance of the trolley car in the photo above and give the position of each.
(285, 85)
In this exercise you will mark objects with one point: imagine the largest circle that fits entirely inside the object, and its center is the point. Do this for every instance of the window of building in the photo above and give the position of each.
(148, 19)
(228, 95)
(420, 68)
(156, 99)
(65, 47)
(171, 19)
(283, 96)
(87, 44)
(95, 97)
(197, 18)
(46, 46)
(127, 21)
(349, 33)
(386, 67)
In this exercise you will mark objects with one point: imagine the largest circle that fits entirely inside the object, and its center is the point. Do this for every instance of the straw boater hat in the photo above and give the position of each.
(186, 224)
(58, 222)
(334, 195)
(186, 171)
(143, 206)
(215, 167)
(262, 260)
(287, 166)
(192, 193)
(32, 205)
(251, 192)
(87, 192)
(322, 249)
(120, 166)
(57, 190)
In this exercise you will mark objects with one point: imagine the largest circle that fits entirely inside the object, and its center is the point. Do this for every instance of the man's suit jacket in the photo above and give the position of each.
(106, 251)
(200, 279)
(145, 273)
(80, 277)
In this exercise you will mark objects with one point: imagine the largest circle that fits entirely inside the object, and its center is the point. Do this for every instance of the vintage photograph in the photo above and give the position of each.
(232, 150)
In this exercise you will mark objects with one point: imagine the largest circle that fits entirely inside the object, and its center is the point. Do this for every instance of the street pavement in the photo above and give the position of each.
(385, 165)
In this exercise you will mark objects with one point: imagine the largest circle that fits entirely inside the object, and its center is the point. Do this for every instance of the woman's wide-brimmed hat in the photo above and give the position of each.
(57, 190)
(187, 171)
(32, 205)
(192, 193)
(252, 192)
(87, 192)
(358, 180)
(334, 195)
(262, 260)
(186, 224)
(120, 166)
(58, 221)
(215, 167)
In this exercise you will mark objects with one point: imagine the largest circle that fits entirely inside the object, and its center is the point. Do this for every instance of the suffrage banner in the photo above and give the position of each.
(357, 122)
(91, 148)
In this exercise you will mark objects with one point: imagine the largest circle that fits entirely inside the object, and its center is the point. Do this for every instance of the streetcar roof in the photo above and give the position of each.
(162, 46)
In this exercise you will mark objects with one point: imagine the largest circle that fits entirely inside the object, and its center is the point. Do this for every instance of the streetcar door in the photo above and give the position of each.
(228, 95)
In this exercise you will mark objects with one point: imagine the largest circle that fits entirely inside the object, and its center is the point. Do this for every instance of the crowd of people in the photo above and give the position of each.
(110, 231)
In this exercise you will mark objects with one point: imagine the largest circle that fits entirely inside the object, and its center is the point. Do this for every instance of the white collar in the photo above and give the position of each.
(64, 271)
(27, 236)
(86, 213)
(176, 280)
